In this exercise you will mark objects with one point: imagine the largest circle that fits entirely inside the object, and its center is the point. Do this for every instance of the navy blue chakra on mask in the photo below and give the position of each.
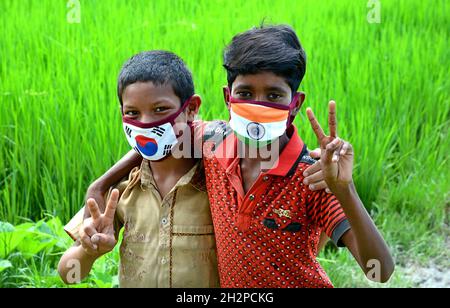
(255, 130)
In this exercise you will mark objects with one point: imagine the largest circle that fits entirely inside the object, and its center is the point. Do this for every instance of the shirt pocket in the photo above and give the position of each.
(193, 237)
(282, 218)
(194, 257)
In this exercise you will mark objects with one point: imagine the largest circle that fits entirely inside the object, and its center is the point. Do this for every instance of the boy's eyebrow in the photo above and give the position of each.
(244, 87)
(162, 101)
(159, 101)
(276, 89)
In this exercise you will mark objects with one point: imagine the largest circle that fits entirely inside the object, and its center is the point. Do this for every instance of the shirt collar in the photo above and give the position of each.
(193, 176)
(226, 153)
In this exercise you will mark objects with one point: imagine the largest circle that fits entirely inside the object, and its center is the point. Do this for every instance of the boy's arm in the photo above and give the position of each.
(98, 189)
(75, 264)
(363, 239)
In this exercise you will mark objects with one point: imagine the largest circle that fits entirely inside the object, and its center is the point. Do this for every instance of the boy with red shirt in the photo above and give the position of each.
(267, 220)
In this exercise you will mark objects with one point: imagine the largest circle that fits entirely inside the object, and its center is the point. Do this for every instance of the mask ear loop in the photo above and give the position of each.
(171, 120)
(292, 107)
(175, 115)
(172, 117)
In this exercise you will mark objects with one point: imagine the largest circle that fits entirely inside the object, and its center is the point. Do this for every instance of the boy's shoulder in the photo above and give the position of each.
(305, 157)
(212, 132)
(133, 178)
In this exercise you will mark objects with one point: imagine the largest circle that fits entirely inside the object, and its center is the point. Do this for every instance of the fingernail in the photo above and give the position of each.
(311, 187)
(305, 181)
(95, 247)
(305, 173)
(327, 190)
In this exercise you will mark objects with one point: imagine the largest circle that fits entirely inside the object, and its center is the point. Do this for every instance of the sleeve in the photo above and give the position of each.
(73, 226)
(327, 213)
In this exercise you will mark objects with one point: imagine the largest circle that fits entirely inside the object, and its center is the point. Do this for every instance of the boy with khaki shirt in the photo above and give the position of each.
(168, 238)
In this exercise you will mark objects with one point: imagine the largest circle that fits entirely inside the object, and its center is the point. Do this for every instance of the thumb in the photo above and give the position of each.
(329, 150)
(103, 239)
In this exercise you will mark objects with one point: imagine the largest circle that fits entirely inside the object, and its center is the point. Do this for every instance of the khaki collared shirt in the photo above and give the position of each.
(167, 242)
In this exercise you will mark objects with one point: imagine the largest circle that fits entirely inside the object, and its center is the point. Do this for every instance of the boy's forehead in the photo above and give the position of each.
(266, 80)
(149, 91)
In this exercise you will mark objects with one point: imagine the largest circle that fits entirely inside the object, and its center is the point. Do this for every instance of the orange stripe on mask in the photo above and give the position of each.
(259, 114)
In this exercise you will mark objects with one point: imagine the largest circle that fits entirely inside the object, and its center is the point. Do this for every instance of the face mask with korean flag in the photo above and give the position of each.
(259, 123)
(153, 141)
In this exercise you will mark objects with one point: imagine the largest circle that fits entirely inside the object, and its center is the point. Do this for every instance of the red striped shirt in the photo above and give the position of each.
(269, 236)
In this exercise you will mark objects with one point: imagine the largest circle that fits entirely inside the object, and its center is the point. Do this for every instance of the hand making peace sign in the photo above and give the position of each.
(336, 159)
(97, 233)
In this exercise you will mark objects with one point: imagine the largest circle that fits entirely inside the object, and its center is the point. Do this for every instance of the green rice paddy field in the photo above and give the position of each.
(60, 125)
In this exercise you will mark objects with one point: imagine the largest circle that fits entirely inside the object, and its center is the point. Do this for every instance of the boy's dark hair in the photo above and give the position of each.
(160, 67)
(275, 49)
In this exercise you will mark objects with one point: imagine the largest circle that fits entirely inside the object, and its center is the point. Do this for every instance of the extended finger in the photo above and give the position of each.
(315, 125)
(112, 205)
(332, 122)
(93, 209)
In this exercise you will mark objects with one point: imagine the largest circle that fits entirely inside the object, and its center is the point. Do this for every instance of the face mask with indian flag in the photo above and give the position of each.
(259, 123)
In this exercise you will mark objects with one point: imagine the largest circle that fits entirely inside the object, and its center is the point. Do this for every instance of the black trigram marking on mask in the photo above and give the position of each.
(167, 149)
(158, 131)
(137, 150)
(128, 131)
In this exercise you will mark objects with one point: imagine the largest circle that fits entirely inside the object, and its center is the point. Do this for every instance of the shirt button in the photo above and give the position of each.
(163, 261)
(251, 197)
(164, 221)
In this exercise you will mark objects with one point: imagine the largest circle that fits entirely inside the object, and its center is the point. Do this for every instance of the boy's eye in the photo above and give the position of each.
(244, 94)
(161, 109)
(131, 113)
(274, 96)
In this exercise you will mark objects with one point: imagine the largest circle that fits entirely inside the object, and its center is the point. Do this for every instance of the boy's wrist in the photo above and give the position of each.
(343, 190)
(88, 257)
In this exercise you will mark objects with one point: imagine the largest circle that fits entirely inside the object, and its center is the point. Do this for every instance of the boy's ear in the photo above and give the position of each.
(193, 107)
(226, 96)
(299, 103)
(300, 100)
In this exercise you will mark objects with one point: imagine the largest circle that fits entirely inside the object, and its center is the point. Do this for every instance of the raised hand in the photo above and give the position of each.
(97, 233)
(336, 159)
